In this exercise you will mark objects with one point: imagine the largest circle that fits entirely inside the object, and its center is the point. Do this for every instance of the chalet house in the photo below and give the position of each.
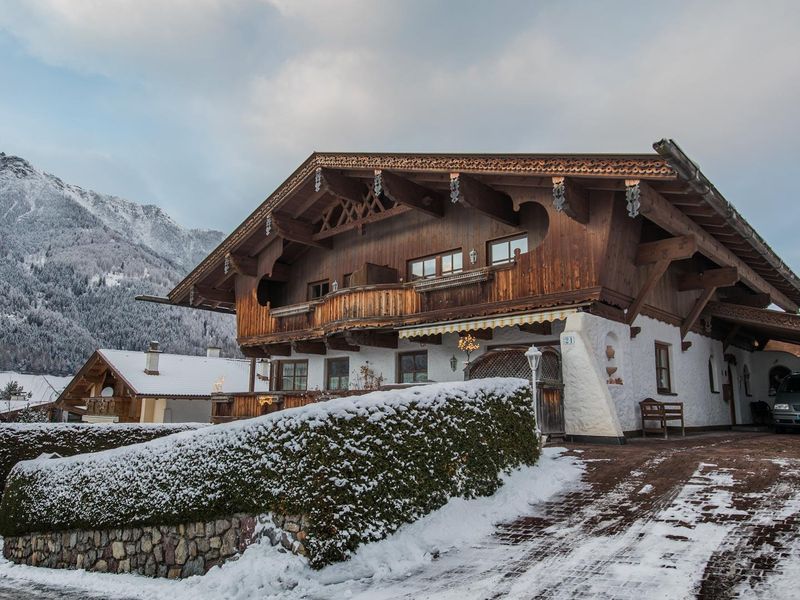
(154, 387)
(632, 273)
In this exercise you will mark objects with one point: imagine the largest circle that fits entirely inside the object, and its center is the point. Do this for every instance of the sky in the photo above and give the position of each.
(203, 107)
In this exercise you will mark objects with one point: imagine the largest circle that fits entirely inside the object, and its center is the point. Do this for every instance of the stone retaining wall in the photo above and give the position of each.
(173, 551)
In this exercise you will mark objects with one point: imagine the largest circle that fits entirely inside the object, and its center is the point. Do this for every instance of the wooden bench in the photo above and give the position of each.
(653, 410)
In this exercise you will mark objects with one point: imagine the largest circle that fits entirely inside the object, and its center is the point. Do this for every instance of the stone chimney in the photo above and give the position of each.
(213, 352)
(151, 359)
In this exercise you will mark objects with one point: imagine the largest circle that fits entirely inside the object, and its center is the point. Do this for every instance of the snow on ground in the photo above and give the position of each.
(454, 534)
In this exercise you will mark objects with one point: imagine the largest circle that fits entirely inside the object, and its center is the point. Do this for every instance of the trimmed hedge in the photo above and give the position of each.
(358, 467)
(24, 441)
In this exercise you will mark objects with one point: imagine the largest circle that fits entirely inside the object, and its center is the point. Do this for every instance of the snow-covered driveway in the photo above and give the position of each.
(713, 516)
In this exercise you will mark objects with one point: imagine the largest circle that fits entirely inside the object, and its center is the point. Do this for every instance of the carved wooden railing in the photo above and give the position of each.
(389, 305)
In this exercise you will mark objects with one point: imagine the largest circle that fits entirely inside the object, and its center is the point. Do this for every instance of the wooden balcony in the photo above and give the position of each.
(474, 293)
(126, 409)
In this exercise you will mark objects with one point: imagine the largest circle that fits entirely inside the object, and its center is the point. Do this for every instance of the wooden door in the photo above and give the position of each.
(511, 362)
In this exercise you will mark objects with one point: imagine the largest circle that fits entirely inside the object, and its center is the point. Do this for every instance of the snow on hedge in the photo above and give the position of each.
(24, 441)
(359, 467)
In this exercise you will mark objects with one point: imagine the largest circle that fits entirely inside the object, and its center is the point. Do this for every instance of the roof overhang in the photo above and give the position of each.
(761, 323)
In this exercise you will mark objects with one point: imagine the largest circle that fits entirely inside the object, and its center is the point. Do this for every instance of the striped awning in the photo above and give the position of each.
(487, 323)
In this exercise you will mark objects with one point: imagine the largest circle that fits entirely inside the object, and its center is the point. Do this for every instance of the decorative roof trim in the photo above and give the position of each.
(645, 166)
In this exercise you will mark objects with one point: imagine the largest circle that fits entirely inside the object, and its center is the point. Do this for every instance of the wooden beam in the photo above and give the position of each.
(698, 307)
(734, 331)
(336, 342)
(657, 271)
(754, 300)
(279, 349)
(660, 211)
(295, 230)
(212, 295)
(571, 199)
(339, 185)
(469, 191)
(375, 339)
(635, 331)
(409, 193)
(677, 248)
(309, 347)
(685, 346)
(711, 278)
(243, 265)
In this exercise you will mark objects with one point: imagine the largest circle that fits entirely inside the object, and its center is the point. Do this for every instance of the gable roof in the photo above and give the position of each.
(668, 171)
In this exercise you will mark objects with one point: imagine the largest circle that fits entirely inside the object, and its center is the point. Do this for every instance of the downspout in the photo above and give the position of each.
(691, 174)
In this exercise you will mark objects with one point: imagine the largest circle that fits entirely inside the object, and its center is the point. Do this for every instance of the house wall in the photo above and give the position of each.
(187, 411)
(383, 361)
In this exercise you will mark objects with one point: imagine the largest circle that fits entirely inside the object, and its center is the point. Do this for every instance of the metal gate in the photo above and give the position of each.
(511, 362)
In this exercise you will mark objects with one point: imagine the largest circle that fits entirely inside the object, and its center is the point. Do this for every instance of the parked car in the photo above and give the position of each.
(786, 411)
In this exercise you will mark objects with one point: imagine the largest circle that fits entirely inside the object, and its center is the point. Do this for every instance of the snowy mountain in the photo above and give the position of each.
(71, 262)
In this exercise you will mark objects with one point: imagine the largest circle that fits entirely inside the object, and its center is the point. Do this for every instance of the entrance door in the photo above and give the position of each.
(511, 362)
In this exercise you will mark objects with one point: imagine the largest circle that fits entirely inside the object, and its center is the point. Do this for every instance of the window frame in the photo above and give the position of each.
(667, 368)
(279, 378)
(415, 372)
(312, 284)
(437, 268)
(712, 375)
(328, 362)
(508, 239)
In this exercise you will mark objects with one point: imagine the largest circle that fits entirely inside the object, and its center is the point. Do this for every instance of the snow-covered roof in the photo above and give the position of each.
(43, 389)
(182, 375)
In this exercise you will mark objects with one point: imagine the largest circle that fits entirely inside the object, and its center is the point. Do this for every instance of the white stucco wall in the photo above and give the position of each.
(383, 361)
(589, 408)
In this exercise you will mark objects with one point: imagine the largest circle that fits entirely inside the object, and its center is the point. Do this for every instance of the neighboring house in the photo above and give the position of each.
(43, 390)
(631, 272)
(154, 387)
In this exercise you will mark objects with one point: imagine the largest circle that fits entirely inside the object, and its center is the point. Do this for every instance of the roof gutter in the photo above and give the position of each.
(691, 174)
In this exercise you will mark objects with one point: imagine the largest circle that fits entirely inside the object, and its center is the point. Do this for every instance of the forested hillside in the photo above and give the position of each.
(71, 262)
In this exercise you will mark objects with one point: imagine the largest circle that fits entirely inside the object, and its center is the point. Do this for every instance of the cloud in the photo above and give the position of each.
(236, 93)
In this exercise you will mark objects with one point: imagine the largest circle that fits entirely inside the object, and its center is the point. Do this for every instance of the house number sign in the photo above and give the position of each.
(568, 339)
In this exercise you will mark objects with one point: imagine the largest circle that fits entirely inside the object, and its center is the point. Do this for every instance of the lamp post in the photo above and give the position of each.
(534, 356)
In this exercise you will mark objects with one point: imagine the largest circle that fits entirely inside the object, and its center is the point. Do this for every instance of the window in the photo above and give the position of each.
(338, 370)
(746, 377)
(347, 279)
(428, 267)
(292, 375)
(413, 367)
(663, 379)
(318, 289)
(452, 262)
(712, 375)
(502, 251)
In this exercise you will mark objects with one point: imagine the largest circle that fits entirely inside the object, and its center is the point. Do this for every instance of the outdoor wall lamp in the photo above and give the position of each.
(473, 256)
(534, 356)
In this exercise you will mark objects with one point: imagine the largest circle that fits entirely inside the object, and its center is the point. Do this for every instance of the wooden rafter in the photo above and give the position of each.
(659, 255)
(339, 185)
(711, 278)
(401, 190)
(707, 281)
(295, 230)
(336, 342)
(377, 339)
(309, 347)
(278, 349)
(677, 248)
(734, 331)
(469, 191)
(754, 300)
(214, 295)
(240, 264)
(660, 211)
(345, 215)
(571, 199)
